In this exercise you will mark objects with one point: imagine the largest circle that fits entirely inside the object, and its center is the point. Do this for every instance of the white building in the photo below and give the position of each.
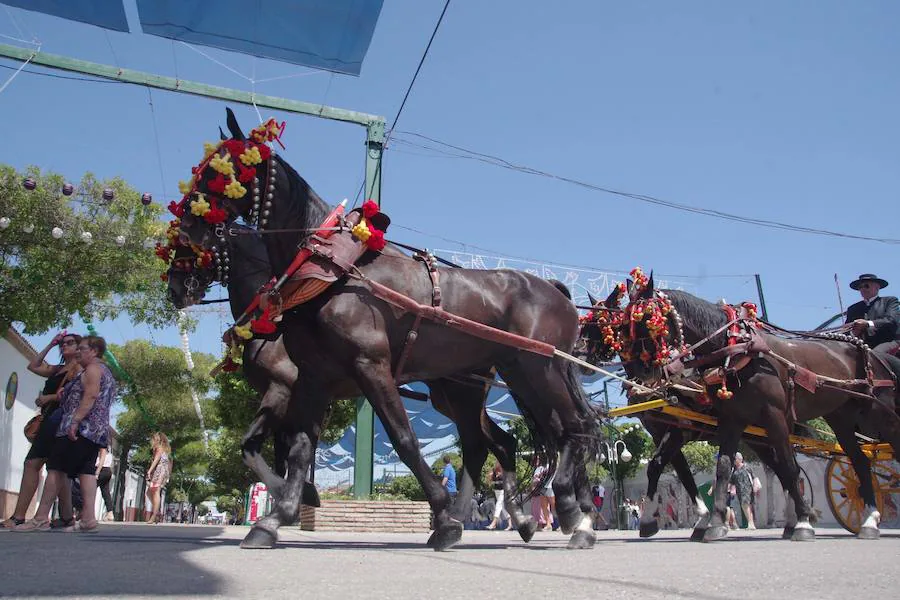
(21, 388)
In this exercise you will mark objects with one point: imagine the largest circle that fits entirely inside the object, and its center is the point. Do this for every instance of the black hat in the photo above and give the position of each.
(868, 277)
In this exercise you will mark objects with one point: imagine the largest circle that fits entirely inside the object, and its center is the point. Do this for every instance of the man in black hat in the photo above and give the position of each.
(876, 319)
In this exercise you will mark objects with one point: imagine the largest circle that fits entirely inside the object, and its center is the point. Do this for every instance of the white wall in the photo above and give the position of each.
(13, 445)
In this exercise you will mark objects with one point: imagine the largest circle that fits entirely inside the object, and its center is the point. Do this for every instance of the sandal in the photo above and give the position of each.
(33, 525)
(80, 527)
(62, 524)
(11, 523)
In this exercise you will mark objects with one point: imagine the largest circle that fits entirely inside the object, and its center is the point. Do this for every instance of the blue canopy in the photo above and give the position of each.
(109, 14)
(333, 35)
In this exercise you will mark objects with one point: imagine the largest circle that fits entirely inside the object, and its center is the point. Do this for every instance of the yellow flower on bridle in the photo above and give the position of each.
(235, 190)
(251, 156)
(361, 231)
(222, 164)
(209, 149)
(243, 331)
(185, 187)
(200, 206)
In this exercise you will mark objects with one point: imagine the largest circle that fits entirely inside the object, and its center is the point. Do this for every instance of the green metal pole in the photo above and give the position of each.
(65, 63)
(762, 299)
(364, 453)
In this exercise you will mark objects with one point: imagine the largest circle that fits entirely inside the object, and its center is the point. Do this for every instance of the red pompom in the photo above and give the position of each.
(246, 174)
(230, 366)
(164, 277)
(217, 184)
(262, 326)
(176, 208)
(234, 147)
(376, 240)
(370, 209)
(264, 151)
(215, 215)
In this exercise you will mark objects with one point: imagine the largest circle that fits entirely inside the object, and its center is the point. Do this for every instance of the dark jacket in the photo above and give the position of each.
(884, 312)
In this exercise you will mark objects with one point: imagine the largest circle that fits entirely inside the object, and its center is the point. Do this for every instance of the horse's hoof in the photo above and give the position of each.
(569, 520)
(715, 532)
(527, 528)
(430, 542)
(446, 536)
(310, 495)
(698, 534)
(581, 540)
(649, 529)
(803, 534)
(259, 539)
(869, 533)
(788, 533)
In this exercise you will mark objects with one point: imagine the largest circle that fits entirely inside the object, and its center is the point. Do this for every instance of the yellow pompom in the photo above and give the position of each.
(234, 189)
(209, 149)
(185, 187)
(361, 231)
(199, 206)
(251, 156)
(243, 332)
(222, 164)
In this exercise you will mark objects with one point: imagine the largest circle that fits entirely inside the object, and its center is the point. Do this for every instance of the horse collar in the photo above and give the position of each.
(222, 261)
(260, 210)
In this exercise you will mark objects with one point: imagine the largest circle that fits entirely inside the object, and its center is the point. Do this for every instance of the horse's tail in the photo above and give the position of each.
(589, 415)
(561, 287)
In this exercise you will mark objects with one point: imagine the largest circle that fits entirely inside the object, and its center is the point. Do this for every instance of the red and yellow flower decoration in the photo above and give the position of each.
(366, 231)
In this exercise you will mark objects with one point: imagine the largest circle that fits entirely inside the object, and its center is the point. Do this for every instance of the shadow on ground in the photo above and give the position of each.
(119, 560)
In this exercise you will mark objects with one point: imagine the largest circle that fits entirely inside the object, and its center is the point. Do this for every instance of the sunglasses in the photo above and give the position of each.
(68, 343)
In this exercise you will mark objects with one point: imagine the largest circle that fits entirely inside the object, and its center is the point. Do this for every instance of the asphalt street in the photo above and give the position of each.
(177, 561)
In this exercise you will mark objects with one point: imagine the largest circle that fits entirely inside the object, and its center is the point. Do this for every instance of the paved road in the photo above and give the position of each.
(137, 561)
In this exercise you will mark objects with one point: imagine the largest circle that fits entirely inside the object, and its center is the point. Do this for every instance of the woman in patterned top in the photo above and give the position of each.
(159, 471)
(83, 431)
(48, 401)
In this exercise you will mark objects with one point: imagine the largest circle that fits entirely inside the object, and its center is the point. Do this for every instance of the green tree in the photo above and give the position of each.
(158, 398)
(44, 281)
(701, 456)
(639, 444)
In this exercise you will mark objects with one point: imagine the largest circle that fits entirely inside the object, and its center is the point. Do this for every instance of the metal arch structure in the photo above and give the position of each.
(375, 132)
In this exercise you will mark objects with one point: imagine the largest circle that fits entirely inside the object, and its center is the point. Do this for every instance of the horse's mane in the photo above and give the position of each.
(304, 207)
(699, 316)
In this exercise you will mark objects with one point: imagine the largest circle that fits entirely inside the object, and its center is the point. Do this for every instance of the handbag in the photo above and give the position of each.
(33, 426)
(757, 485)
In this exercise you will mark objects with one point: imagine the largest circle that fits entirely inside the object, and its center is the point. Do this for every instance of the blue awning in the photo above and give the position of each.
(333, 35)
(109, 14)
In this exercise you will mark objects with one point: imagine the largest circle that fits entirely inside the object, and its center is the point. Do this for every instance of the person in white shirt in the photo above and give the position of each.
(104, 475)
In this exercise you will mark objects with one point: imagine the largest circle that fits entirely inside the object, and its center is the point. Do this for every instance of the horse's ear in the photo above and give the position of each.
(648, 289)
(612, 301)
(233, 126)
(381, 221)
(222, 135)
(592, 300)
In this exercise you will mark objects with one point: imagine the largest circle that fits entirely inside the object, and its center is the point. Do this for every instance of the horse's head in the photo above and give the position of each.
(599, 328)
(191, 272)
(236, 178)
(650, 332)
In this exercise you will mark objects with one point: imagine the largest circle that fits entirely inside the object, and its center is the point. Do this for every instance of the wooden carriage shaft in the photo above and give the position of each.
(805, 444)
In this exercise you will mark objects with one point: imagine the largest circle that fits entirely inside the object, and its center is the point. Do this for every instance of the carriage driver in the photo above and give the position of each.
(876, 319)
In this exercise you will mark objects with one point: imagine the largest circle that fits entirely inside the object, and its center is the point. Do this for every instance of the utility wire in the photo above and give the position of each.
(497, 161)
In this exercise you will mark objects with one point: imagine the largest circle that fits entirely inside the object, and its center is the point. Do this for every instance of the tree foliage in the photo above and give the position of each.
(639, 444)
(158, 398)
(45, 281)
(701, 456)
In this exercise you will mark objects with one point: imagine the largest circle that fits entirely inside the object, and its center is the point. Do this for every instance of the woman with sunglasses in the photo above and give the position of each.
(57, 376)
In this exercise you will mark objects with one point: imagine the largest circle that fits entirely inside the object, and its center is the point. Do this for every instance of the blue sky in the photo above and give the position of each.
(782, 111)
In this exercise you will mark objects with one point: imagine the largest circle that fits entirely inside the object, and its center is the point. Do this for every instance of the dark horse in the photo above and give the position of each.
(668, 433)
(765, 392)
(347, 342)
(272, 374)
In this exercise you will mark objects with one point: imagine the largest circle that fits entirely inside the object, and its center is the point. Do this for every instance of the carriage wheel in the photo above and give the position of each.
(842, 490)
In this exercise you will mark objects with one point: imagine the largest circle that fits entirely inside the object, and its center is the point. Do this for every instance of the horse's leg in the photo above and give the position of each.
(251, 450)
(463, 404)
(503, 445)
(767, 455)
(778, 437)
(306, 413)
(683, 471)
(843, 423)
(377, 384)
(543, 385)
(729, 430)
(669, 443)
